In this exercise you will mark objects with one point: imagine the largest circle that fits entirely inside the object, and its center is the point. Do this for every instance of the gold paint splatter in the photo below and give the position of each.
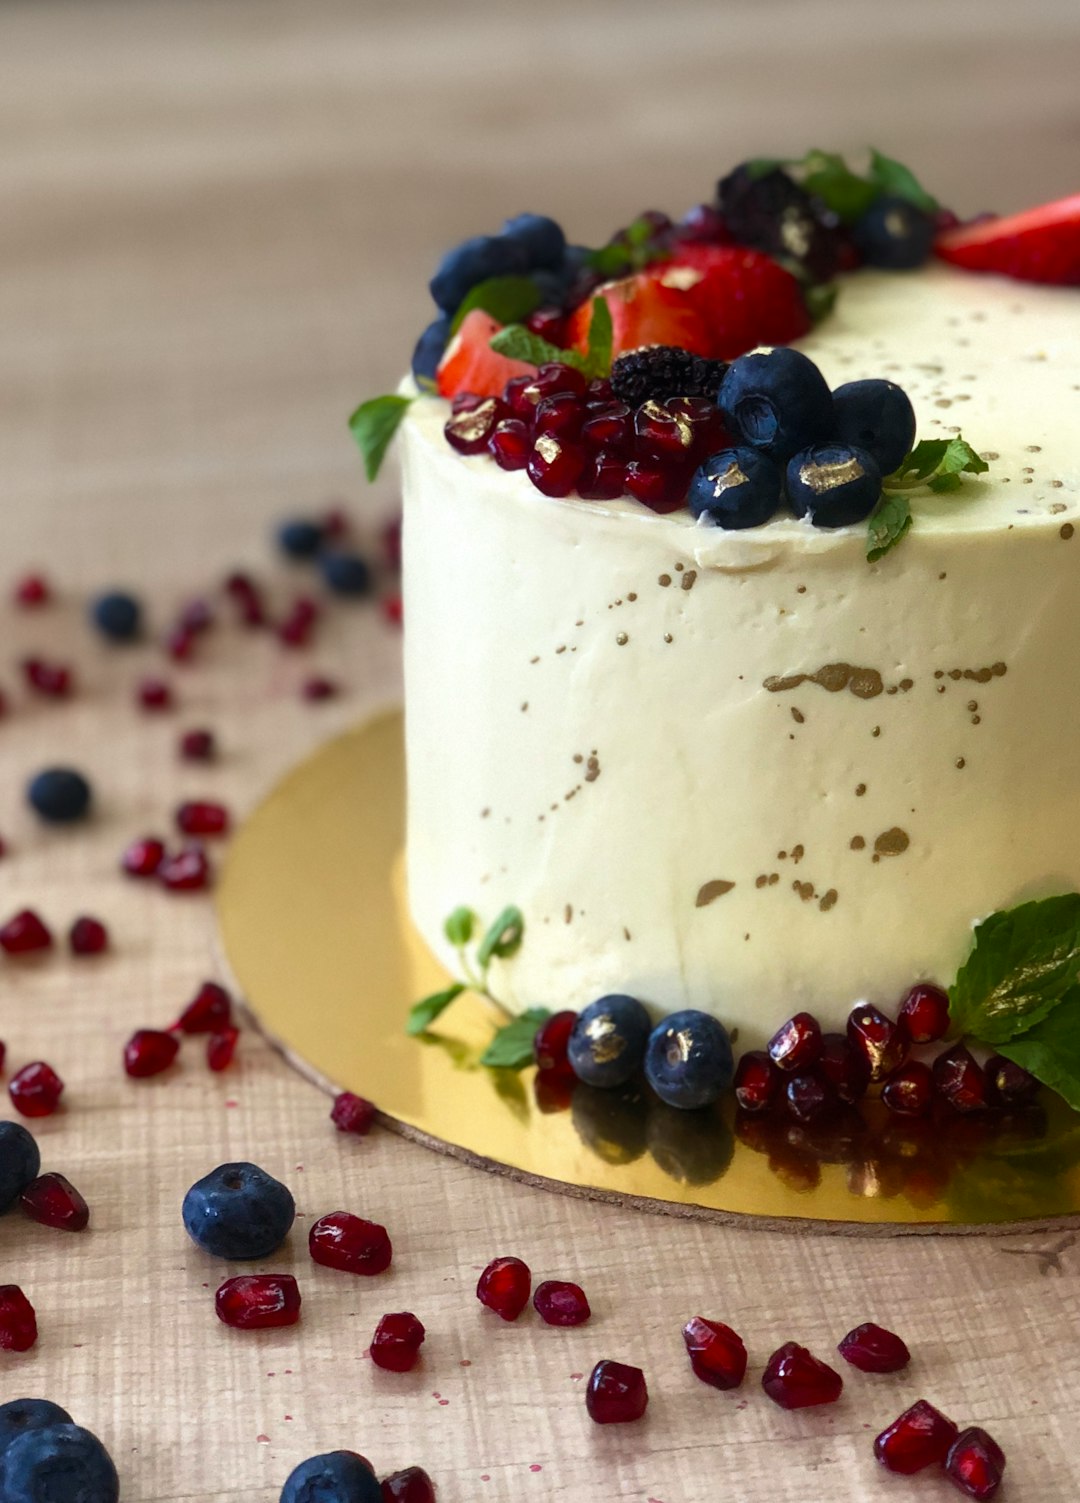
(829, 900)
(892, 842)
(689, 579)
(568, 913)
(708, 892)
(1066, 531)
(668, 637)
(774, 877)
(632, 595)
(484, 813)
(864, 683)
(592, 769)
(858, 843)
(664, 581)
(761, 881)
(622, 639)
(524, 707)
(876, 731)
(860, 789)
(804, 889)
(626, 934)
(797, 853)
(797, 716)
(960, 762)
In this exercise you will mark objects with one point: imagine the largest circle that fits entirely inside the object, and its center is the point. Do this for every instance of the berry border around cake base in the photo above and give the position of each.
(315, 930)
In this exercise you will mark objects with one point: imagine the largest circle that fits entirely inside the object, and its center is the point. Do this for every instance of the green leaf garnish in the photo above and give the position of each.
(601, 339)
(849, 194)
(1025, 961)
(373, 425)
(1050, 1050)
(898, 181)
(424, 1013)
(631, 251)
(459, 926)
(888, 524)
(820, 299)
(509, 299)
(518, 343)
(512, 1046)
(503, 938)
(936, 464)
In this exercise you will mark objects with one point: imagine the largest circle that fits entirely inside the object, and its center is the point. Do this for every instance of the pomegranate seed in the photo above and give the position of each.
(616, 1394)
(702, 224)
(975, 1463)
(390, 605)
(960, 1080)
(88, 936)
(510, 443)
(658, 484)
(1009, 1084)
(196, 616)
(465, 401)
(349, 1243)
(708, 434)
(221, 1047)
(797, 1044)
(36, 1090)
(148, 1052)
(554, 466)
(209, 1011)
(202, 818)
(25, 934)
(611, 427)
(515, 398)
(198, 746)
(716, 1352)
(756, 1081)
(186, 871)
(549, 323)
(53, 680)
(600, 390)
(154, 694)
(603, 478)
(413, 1485)
(180, 644)
(920, 1437)
(3, 1053)
(295, 630)
(553, 1090)
(54, 1201)
(243, 589)
(872, 1349)
(662, 433)
(468, 432)
(809, 1097)
(32, 590)
(552, 1040)
(844, 1067)
(549, 381)
(18, 1323)
(796, 1379)
(143, 857)
(879, 1040)
(240, 586)
(317, 688)
(924, 1014)
(909, 1091)
(560, 416)
(335, 525)
(504, 1287)
(390, 544)
(352, 1114)
(560, 1304)
(397, 1342)
(258, 1301)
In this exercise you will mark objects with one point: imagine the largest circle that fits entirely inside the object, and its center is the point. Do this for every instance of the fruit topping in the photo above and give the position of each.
(774, 213)
(238, 1211)
(20, 1162)
(879, 1040)
(396, 1343)
(59, 795)
(18, 1323)
(795, 1379)
(258, 1301)
(117, 616)
(555, 465)
(961, 1080)
(777, 402)
(561, 1304)
(877, 417)
(504, 1287)
(51, 1200)
(470, 364)
(617, 1394)
(918, 1438)
(736, 488)
(149, 1052)
(756, 1081)
(350, 1244)
(413, 1485)
(893, 234)
(476, 260)
(662, 371)
(924, 1014)
(351, 1113)
(872, 1349)
(909, 1090)
(607, 1045)
(35, 1090)
(553, 1040)
(809, 1097)
(1008, 1084)
(510, 444)
(975, 1463)
(796, 1044)
(688, 1059)
(833, 484)
(1037, 245)
(844, 1066)
(716, 1352)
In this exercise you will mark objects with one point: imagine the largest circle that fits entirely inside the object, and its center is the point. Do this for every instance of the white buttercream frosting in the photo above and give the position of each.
(749, 771)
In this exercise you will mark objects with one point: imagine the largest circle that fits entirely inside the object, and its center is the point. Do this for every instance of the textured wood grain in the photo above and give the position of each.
(217, 219)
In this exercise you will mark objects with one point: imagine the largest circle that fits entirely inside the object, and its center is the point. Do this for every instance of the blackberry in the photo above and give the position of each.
(774, 214)
(663, 371)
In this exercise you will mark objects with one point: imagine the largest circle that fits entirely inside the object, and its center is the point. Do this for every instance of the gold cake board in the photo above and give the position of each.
(317, 935)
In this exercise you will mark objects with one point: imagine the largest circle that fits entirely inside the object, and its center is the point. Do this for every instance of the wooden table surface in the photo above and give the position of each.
(216, 221)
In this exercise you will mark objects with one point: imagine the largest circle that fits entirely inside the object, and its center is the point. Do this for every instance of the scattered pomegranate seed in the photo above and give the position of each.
(221, 1047)
(198, 746)
(716, 1352)
(1008, 1084)
(809, 1097)
(918, 1438)
(924, 1014)
(413, 1485)
(32, 590)
(196, 616)
(552, 1040)
(349, 1243)
(391, 608)
(248, 597)
(960, 1080)
(909, 1091)
(154, 694)
(3, 1053)
(88, 936)
(143, 857)
(317, 688)
(18, 1323)
(36, 1090)
(878, 1039)
(187, 871)
(617, 1394)
(397, 1342)
(351, 1113)
(180, 644)
(975, 1463)
(148, 1052)
(561, 1304)
(53, 680)
(54, 1201)
(3, 842)
(390, 544)
(797, 1044)
(872, 1349)
(258, 1301)
(209, 1011)
(25, 934)
(549, 323)
(200, 817)
(795, 1379)
(504, 1287)
(844, 1067)
(756, 1081)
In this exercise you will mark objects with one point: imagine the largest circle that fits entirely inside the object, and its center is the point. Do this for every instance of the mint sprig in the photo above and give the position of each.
(1051, 1049)
(519, 343)
(846, 192)
(423, 1013)
(512, 1046)
(935, 464)
(509, 299)
(373, 426)
(632, 250)
(888, 525)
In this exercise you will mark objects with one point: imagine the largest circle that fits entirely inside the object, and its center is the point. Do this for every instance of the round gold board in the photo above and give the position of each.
(317, 934)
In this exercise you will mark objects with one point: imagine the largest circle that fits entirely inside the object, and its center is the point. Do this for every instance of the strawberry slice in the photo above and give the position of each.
(1039, 245)
(645, 309)
(470, 364)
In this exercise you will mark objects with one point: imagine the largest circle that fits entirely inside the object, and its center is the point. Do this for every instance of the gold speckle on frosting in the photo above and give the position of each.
(708, 892)
(864, 683)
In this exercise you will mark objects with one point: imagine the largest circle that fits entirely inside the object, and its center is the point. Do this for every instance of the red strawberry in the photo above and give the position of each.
(1039, 245)
(646, 309)
(470, 364)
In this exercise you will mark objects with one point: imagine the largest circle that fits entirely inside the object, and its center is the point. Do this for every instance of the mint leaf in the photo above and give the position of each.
(937, 463)
(601, 338)
(1051, 1049)
(631, 251)
(1025, 960)
(960, 459)
(827, 176)
(512, 1046)
(889, 524)
(503, 937)
(519, 343)
(922, 461)
(893, 178)
(509, 299)
(761, 166)
(459, 926)
(424, 1013)
(820, 299)
(373, 425)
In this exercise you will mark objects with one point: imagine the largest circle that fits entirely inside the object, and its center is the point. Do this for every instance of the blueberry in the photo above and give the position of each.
(299, 538)
(347, 573)
(472, 262)
(336, 1477)
(59, 1463)
(551, 285)
(21, 1415)
(688, 1060)
(238, 1211)
(20, 1162)
(59, 795)
(736, 488)
(876, 416)
(833, 484)
(429, 348)
(608, 1042)
(776, 402)
(893, 234)
(117, 616)
(541, 238)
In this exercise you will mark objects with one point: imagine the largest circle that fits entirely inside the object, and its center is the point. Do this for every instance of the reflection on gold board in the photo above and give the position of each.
(313, 919)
